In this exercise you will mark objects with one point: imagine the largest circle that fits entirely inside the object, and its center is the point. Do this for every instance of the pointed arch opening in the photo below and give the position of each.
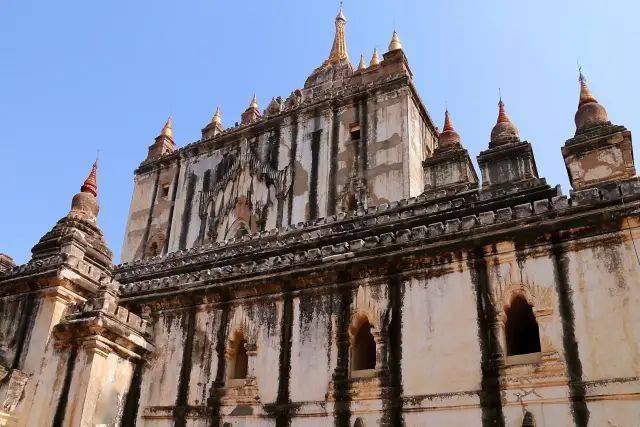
(521, 328)
(363, 353)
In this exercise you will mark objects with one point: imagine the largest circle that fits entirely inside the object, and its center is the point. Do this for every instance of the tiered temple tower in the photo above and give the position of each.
(335, 260)
(346, 140)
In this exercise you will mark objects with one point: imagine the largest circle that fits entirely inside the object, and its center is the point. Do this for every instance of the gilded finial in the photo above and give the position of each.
(340, 15)
(217, 117)
(91, 183)
(395, 42)
(339, 47)
(167, 129)
(254, 102)
(375, 59)
(362, 64)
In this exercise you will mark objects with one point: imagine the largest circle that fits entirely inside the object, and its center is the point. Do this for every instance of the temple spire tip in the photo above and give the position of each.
(339, 47)
(90, 184)
(167, 129)
(395, 42)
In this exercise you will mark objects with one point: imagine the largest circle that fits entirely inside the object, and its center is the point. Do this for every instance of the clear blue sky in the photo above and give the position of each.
(77, 76)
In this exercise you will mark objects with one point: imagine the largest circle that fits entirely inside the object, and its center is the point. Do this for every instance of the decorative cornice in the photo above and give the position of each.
(359, 238)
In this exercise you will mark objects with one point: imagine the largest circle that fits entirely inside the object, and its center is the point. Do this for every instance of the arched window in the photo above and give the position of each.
(358, 423)
(521, 328)
(240, 360)
(364, 349)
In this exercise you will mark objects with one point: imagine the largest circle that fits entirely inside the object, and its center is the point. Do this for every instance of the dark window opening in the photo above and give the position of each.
(354, 131)
(352, 203)
(164, 191)
(521, 328)
(358, 423)
(240, 359)
(364, 349)
(153, 249)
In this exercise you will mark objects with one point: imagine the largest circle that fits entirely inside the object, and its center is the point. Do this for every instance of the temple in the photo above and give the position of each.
(336, 259)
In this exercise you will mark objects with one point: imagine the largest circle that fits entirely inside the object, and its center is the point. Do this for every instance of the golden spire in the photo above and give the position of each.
(167, 130)
(395, 42)
(375, 59)
(585, 93)
(254, 102)
(217, 117)
(362, 65)
(339, 47)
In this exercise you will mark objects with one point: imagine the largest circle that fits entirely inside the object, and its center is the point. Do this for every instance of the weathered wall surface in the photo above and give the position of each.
(16, 322)
(434, 331)
(314, 148)
(44, 362)
(439, 322)
(159, 387)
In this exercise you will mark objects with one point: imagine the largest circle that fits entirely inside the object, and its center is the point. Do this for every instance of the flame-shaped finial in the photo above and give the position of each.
(254, 102)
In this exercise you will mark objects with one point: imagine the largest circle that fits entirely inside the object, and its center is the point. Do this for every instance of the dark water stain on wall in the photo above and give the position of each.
(579, 409)
(61, 409)
(188, 327)
(392, 403)
(342, 407)
(313, 179)
(186, 215)
(490, 398)
(131, 402)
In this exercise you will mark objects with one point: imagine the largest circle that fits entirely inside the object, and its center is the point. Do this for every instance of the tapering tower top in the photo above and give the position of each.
(339, 47)
(395, 42)
(254, 101)
(448, 137)
(85, 202)
(585, 93)
(375, 59)
(91, 184)
(362, 64)
(217, 117)
(167, 129)
(590, 113)
(504, 131)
